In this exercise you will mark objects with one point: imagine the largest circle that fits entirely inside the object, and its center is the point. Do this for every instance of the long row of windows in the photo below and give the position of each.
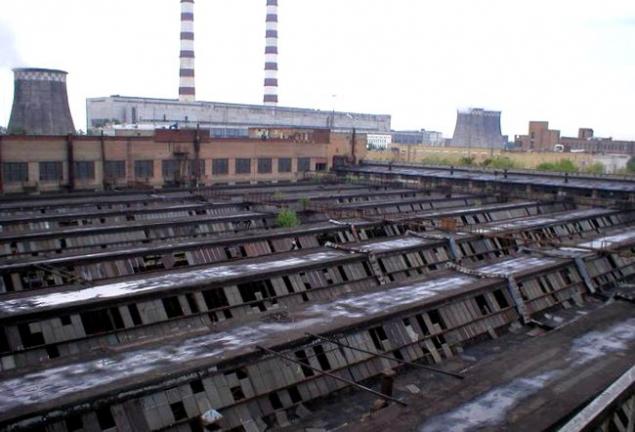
(18, 172)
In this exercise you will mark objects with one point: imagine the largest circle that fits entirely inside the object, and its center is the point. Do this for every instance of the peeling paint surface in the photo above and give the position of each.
(516, 178)
(608, 241)
(491, 408)
(516, 265)
(60, 381)
(362, 305)
(599, 343)
(389, 245)
(168, 281)
(519, 224)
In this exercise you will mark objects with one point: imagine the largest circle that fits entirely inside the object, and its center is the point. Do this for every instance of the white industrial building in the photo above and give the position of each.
(224, 119)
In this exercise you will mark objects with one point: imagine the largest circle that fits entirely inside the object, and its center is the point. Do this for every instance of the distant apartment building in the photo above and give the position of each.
(541, 138)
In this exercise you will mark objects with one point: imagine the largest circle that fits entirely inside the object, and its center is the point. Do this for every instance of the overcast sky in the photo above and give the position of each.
(571, 62)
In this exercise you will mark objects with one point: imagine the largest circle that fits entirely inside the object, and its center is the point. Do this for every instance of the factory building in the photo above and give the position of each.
(136, 115)
(223, 119)
(188, 310)
(541, 138)
(420, 137)
(170, 158)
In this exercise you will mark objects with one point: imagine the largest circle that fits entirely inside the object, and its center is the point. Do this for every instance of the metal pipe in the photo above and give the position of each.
(387, 357)
(335, 377)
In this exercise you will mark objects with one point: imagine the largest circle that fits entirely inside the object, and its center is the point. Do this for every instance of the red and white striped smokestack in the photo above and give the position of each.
(187, 91)
(271, 54)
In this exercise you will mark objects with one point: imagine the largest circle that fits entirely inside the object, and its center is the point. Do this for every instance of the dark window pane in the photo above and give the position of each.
(170, 168)
(243, 166)
(220, 166)
(304, 164)
(114, 169)
(51, 171)
(284, 165)
(15, 172)
(144, 169)
(264, 166)
(84, 170)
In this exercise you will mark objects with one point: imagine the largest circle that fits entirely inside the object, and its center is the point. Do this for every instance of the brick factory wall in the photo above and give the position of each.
(32, 150)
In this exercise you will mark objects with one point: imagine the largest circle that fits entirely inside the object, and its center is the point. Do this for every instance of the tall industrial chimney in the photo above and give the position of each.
(271, 54)
(187, 92)
(40, 103)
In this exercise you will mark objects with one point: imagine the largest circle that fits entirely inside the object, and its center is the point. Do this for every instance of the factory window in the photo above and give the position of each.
(4, 341)
(30, 335)
(237, 393)
(284, 165)
(243, 166)
(482, 304)
(304, 164)
(85, 170)
(201, 167)
(172, 307)
(169, 168)
(379, 336)
(105, 419)
(134, 314)
(197, 386)
(114, 169)
(321, 357)
(51, 171)
(302, 358)
(220, 166)
(143, 168)
(74, 423)
(178, 411)
(294, 393)
(436, 318)
(264, 166)
(96, 322)
(215, 298)
(15, 172)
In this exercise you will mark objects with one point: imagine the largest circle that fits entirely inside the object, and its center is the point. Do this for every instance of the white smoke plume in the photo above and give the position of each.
(9, 55)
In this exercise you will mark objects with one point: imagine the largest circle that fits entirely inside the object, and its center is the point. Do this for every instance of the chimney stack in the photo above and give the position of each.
(187, 91)
(271, 54)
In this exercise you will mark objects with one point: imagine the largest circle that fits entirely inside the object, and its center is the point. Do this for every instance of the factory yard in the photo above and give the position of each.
(403, 299)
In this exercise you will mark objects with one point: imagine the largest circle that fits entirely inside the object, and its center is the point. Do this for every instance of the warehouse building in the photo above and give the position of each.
(170, 158)
(223, 119)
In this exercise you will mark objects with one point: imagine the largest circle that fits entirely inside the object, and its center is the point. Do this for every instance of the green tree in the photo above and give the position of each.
(287, 219)
(630, 166)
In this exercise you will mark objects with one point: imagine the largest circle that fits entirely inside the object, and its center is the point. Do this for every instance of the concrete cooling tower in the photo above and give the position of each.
(476, 127)
(40, 103)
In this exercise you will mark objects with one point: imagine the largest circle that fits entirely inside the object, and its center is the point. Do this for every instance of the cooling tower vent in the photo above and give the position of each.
(40, 103)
